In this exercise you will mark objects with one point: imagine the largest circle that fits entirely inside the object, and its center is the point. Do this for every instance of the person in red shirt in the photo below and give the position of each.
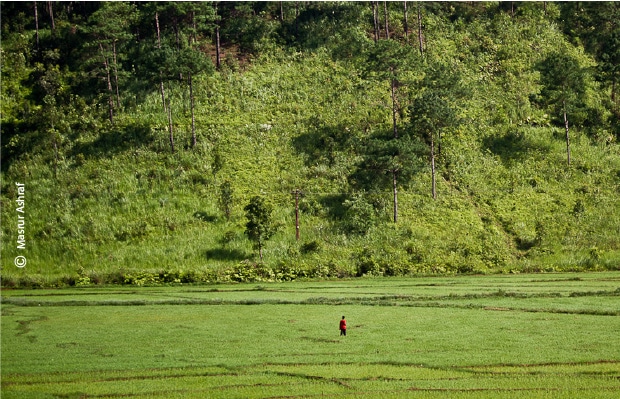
(343, 326)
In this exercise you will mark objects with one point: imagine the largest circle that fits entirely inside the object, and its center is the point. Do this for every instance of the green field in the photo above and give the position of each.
(501, 336)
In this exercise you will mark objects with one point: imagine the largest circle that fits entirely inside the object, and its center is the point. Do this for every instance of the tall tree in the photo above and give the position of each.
(218, 48)
(563, 82)
(386, 161)
(181, 58)
(420, 38)
(36, 24)
(433, 111)
(110, 26)
(389, 60)
(375, 18)
(50, 10)
(192, 62)
(386, 15)
(405, 21)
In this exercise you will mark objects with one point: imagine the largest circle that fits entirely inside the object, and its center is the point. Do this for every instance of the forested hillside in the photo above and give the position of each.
(178, 142)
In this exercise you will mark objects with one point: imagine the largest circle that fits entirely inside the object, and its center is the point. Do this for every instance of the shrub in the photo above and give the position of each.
(366, 264)
(249, 272)
(359, 216)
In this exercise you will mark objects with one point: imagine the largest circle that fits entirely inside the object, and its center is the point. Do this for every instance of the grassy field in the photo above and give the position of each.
(539, 336)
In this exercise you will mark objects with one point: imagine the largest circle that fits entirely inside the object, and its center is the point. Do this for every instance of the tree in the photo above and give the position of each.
(50, 90)
(387, 161)
(109, 26)
(260, 226)
(386, 14)
(563, 82)
(433, 111)
(191, 62)
(609, 64)
(375, 19)
(420, 36)
(218, 49)
(178, 55)
(391, 60)
(36, 24)
(596, 27)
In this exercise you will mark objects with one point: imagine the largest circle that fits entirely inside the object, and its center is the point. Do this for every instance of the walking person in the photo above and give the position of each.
(343, 326)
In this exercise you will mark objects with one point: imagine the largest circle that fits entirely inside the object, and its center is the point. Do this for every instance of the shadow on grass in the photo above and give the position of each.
(115, 141)
(226, 254)
(513, 147)
(322, 340)
(205, 217)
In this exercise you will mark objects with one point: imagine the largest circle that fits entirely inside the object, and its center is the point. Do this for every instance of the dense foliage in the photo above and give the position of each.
(418, 137)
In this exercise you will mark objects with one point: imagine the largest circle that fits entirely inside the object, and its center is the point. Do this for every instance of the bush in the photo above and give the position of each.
(249, 272)
(366, 264)
(359, 216)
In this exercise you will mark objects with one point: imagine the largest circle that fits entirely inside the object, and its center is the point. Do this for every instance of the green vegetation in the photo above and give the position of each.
(259, 227)
(432, 141)
(535, 336)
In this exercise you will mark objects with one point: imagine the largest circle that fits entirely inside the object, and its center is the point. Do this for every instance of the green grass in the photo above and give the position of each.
(507, 200)
(540, 336)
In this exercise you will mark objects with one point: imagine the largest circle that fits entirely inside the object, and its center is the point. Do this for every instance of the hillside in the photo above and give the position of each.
(307, 98)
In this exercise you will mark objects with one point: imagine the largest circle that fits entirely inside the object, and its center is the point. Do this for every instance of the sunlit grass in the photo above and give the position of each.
(489, 336)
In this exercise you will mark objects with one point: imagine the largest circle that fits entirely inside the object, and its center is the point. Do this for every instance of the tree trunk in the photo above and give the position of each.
(218, 49)
(118, 95)
(395, 192)
(175, 26)
(36, 24)
(420, 39)
(192, 38)
(395, 131)
(405, 22)
(161, 81)
(375, 16)
(55, 157)
(296, 18)
(387, 28)
(218, 55)
(296, 193)
(55, 149)
(394, 108)
(50, 8)
(170, 128)
(567, 135)
(109, 84)
(191, 102)
(163, 94)
(434, 181)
